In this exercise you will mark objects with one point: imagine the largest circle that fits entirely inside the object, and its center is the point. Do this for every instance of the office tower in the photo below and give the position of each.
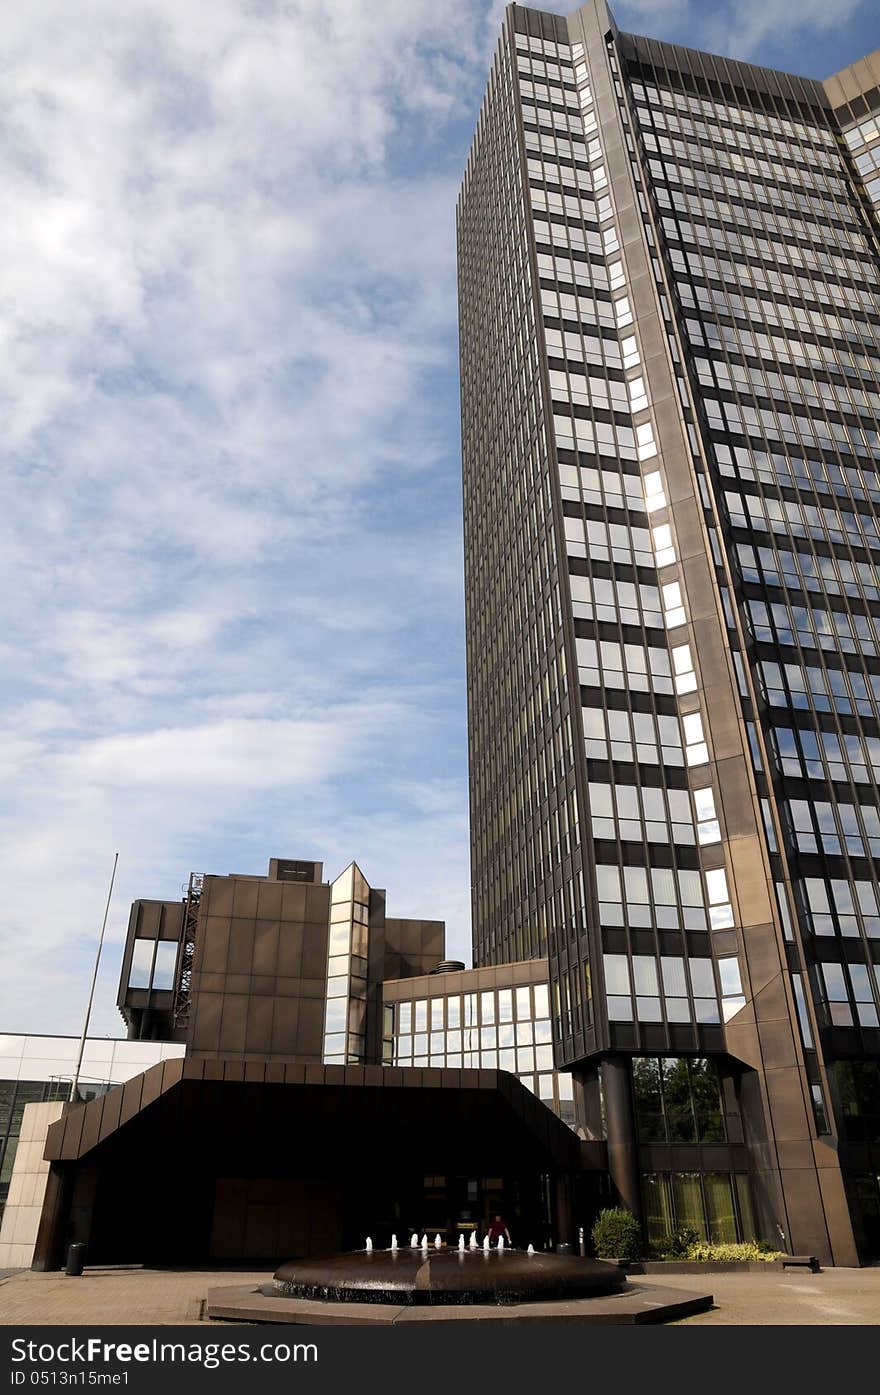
(670, 356)
(854, 94)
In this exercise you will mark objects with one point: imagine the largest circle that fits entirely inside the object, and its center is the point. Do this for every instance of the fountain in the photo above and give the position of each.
(501, 1242)
(438, 1243)
(484, 1279)
(473, 1239)
(439, 1276)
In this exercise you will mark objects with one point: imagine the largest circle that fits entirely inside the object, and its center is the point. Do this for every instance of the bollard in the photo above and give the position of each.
(76, 1258)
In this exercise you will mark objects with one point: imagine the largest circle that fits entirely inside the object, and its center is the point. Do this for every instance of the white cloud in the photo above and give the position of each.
(229, 546)
(220, 795)
(228, 531)
(744, 29)
(236, 753)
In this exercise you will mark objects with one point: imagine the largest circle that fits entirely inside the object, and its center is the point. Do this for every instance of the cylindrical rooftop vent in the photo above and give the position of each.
(448, 966)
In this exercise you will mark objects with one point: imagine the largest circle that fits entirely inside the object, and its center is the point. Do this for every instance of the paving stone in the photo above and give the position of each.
(639, 1303)
(152, 1296)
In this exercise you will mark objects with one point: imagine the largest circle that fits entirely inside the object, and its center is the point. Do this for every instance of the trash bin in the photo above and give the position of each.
(76, 1258)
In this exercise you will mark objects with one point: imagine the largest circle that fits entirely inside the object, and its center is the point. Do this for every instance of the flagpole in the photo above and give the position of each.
(82, 1041)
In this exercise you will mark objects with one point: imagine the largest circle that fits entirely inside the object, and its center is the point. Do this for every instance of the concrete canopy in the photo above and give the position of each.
(203, 1159)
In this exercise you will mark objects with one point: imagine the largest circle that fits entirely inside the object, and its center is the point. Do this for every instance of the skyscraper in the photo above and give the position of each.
(669, 288)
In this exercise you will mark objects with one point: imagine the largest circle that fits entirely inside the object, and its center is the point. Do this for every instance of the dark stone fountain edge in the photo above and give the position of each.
(440, 1278)
(413, 1285)
(636, 1305)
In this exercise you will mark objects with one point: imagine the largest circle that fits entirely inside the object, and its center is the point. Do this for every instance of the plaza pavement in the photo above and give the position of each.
(168, 1297)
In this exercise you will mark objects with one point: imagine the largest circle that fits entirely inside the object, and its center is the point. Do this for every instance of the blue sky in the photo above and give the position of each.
(231, 555)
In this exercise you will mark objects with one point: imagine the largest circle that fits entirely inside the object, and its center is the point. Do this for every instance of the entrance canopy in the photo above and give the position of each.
(205, 1103)
(198, 1160)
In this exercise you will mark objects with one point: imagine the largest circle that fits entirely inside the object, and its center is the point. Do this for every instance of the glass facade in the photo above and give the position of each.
(863, 139)
(345, 1015)
(652, 811)
(677, 1100)
(774, 270)
(714, 1204)
(492, 1029)
(784, 351)
(14, 1095)
(669, 292)
(526, 825)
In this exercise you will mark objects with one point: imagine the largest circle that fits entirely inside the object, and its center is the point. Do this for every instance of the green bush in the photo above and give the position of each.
(617, 1235)
(685, 1243)
(747, 1251)
(676, 1245)
(682, 1241)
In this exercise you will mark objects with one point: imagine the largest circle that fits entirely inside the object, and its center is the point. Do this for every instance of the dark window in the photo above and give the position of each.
(706, 1095)
(290, 871)
(7, 1094)
(649, 1099)
(714, 1204)
(819, 1112)
(864, 1196)
(858, 1093)
(677, 1100)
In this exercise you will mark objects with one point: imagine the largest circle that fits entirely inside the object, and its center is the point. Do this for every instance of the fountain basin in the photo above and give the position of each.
(445, 1277)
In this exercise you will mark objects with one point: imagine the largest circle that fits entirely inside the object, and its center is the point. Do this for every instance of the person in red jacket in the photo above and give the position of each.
(497, 1229)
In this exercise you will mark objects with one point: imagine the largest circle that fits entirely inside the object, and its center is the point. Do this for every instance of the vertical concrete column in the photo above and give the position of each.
(52, 1233)
(588, 1103)
(27, 1186)
(623, 1164)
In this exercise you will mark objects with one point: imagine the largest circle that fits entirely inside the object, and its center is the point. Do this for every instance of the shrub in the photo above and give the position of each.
(746, 1251)
(682, 1241)
(675, 1245)
(617, 1235)
(685, 1243)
